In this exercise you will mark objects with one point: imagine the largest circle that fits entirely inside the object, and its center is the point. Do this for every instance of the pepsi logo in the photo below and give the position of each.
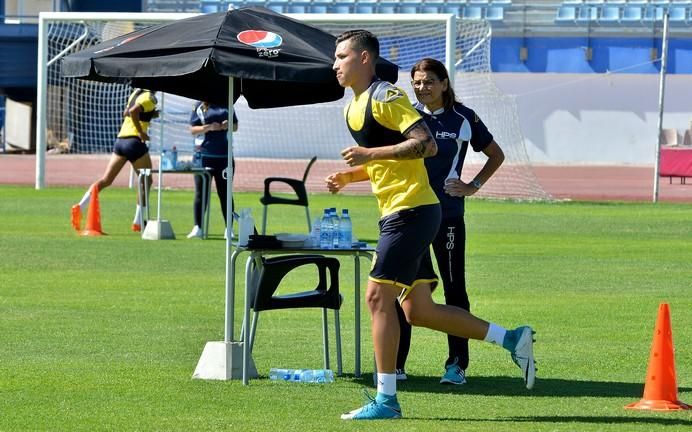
(260, 38)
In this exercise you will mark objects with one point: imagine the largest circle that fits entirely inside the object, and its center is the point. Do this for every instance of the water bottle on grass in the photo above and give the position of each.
(319, 376)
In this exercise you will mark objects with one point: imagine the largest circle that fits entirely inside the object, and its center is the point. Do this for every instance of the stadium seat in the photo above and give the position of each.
(566, 15)
(266, 278)
(367, 9)
(320, 6)
(342, 7)
(387, 7)
(494, 13)
(609, 15)
(408, 6)
(677, 15)
(210, 6)
(473, 13)
(298, 186)
(501, 3)
(453, 9)
(587, 13)
(632, 14)
(652, 13)
(280, 6)
(429, 8)
(573, 2)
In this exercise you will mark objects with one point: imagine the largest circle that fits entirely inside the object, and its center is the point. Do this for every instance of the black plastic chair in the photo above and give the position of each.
(298, 186)
(266, 281)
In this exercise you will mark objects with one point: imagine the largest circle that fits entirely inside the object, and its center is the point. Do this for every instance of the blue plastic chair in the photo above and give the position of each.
(632, 14)
(587, 13)
(677, 15)
(566, 15)
(609, 15)
(494, 13)
(473, 13)
(209, 6)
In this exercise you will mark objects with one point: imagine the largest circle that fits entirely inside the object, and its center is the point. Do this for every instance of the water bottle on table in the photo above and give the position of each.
(345, 230)
(326, 231)
(174, 158)
(302, 375)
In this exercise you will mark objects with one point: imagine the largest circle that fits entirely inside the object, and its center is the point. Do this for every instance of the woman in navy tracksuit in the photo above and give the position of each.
(209, 123)
(454, 127)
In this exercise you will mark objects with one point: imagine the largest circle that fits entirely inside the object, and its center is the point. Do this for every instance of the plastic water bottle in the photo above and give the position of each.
(174, 157)
(335, 228)
(197, 159)
(302, 375)
(315, 233)
(165, 160)
(246, 226)
(345, 230)
(326, 231)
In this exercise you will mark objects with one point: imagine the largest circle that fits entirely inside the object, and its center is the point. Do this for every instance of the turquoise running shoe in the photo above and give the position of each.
(454, 374)
(381, 407)
(519, 342)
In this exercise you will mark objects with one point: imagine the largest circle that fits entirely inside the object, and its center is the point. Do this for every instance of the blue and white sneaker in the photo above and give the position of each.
(381, 407)
(519, 342)
(454, 374)
(400, 374)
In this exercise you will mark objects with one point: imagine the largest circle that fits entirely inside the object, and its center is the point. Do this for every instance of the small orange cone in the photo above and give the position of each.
(93, 223)
(661, 389)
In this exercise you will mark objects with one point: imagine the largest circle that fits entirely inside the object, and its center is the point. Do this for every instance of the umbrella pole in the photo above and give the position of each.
(230, 273)
(158, 203)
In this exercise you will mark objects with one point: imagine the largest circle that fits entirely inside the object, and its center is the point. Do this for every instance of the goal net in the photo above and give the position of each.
(83, 117)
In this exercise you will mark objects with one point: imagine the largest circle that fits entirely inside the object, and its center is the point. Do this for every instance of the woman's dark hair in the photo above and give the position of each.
(439, 69)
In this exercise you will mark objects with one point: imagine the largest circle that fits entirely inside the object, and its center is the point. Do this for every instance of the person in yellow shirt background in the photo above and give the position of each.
(130, 146)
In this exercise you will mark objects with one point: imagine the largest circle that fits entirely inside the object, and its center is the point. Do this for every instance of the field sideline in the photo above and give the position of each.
(104, 333)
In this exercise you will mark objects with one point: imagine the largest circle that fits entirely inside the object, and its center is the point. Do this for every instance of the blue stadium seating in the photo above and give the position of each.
(494, 13)
(386, 6)
(677, 15)
(473, 13)
(566, 15)
(609, 15)
(587, 13)
(632, 13)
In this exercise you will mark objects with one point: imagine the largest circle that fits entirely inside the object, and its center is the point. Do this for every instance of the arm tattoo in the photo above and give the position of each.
(419, 144)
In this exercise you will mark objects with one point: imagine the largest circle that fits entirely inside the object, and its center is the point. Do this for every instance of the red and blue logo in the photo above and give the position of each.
(260, 39)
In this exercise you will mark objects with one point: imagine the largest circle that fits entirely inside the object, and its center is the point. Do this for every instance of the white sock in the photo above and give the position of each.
(386, 384)
(138, 215)
(496, 334)
(84, 203)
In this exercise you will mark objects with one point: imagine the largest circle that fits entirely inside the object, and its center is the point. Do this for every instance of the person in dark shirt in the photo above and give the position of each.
(454, 127)
(209, 124)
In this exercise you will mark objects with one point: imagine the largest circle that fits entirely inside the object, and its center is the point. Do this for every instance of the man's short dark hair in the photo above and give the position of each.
(361, 40)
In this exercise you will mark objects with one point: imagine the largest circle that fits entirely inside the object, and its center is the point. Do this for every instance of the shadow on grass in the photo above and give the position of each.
(510, 386)
(575, 420)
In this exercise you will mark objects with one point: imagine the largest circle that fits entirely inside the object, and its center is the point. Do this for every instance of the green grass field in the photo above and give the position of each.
(104, 333)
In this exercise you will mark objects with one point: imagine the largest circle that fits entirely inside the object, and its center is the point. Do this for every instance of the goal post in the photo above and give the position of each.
(83, 116)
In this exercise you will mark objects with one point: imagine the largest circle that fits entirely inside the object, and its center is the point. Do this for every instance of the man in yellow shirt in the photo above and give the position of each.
(131, 146)
(392, 142)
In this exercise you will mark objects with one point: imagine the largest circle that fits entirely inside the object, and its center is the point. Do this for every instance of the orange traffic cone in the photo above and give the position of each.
(660, 389)
(93, 223)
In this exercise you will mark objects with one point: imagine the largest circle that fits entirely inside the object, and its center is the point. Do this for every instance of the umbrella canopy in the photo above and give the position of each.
(275, 60)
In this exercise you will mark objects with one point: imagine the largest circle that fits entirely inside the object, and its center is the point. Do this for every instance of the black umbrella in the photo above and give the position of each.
(275, 60)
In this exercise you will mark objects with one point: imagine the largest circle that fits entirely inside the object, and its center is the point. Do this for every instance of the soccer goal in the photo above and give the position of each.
(83, 117)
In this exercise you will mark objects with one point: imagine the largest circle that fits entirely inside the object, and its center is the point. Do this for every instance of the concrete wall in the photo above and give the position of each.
(596, 118)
